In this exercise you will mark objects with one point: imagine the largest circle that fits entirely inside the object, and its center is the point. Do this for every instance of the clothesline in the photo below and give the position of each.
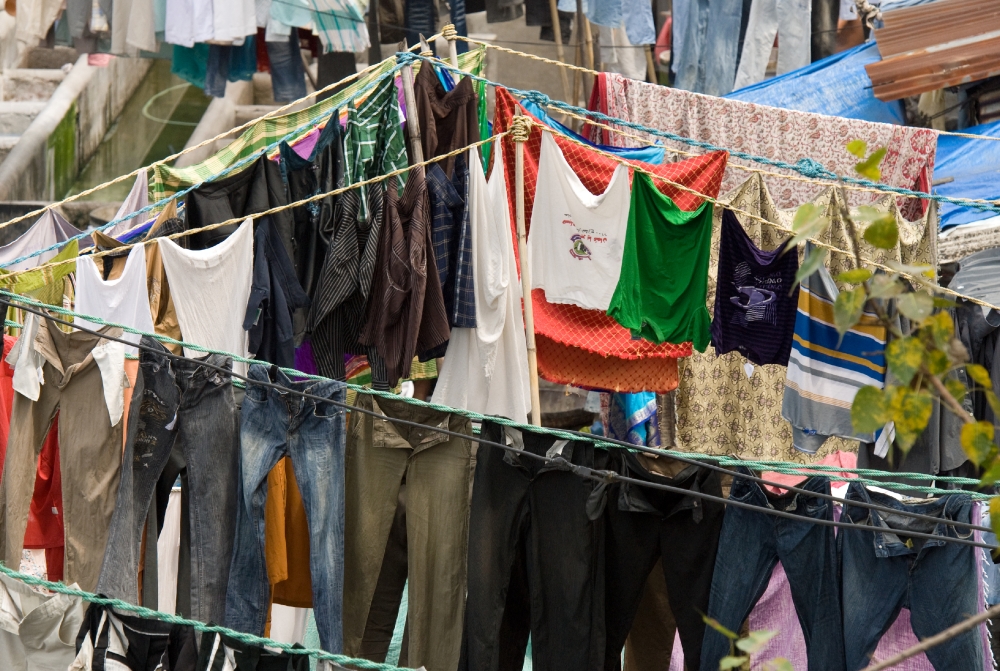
(598, 475)
(692, 458)
(448, 32)
(204, 143)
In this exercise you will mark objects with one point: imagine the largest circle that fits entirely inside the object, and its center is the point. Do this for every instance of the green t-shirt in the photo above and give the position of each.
(663, 286)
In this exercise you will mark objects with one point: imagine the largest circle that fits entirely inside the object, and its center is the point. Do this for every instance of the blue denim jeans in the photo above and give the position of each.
(752, 543)
(274, 424)
(288, 77)
(711, 33)
(178, 406)
(884, 571)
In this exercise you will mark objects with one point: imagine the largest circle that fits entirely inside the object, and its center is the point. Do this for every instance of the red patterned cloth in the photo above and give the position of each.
(771, 132)
(580, 368)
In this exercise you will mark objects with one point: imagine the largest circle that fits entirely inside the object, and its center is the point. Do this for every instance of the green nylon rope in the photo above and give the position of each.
(785, 467)
(240, 636)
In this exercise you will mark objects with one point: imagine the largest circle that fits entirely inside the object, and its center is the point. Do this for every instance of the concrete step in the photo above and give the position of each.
(15, 117)
(30, 84)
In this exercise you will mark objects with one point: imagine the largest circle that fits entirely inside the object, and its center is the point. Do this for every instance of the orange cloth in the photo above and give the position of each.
(286, 539)
(571, 365)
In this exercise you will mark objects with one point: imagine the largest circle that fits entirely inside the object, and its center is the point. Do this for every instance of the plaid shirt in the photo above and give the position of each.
(166, 180)
(340, 24)
(451, 234)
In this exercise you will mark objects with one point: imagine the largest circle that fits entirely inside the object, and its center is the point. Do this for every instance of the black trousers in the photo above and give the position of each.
(536, 558)
(644, 525)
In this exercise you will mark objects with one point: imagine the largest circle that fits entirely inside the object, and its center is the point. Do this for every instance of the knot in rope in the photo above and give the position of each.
(427, 54)
(538, 98)
(449, 33)
(811, 168)
(406, 57)
(520, 128)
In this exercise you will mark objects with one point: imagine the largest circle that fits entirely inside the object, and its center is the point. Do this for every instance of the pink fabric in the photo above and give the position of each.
(772, 133)
(838, 458)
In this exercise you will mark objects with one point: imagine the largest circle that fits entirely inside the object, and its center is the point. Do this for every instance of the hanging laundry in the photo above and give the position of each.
(133, 27)
(679, 538)
(286, 539)
(535, 552)
(109, 640)
(373, 145)
(826, 368)
(577, 238)
(937, 580)
(188, 409)
(312, 434)
(790, 21)
(137, 199)
(706, 40)
(124, 300)
(229, 63)
(37, 630)
(619, 55)
(753, 542)
(50, 229)
(288, 76)
(219, 652)
(448, 119)
(721, 409)
(755, 300)
(451, 236)
(211, 289)
(340, 24)
(188, 22)
(406, 315)
(632, 418)
(90, 442)
(275, 294)
(486, 368)
(407, 502)
(664, 276)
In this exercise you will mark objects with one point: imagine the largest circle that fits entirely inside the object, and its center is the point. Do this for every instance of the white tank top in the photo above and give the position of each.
(124, 300)
(576, 238)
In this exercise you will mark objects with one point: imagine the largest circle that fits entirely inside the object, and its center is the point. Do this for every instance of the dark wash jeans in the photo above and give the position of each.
(936, 580)
(186, 407)
(536, 559)
(644, 525)
(274, 424)
(752, 543)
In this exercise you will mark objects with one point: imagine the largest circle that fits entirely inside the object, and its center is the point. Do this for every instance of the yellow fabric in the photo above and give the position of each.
(286, 539)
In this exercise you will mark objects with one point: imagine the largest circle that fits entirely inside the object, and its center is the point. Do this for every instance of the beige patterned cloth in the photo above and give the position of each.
(722, 410)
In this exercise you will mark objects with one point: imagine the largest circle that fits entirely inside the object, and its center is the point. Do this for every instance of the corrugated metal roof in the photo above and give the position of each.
(928, 47)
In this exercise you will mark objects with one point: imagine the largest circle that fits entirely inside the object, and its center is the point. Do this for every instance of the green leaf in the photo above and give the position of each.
(729, 662)
(916, 305)
(979, 375)
(870, 410)
(977, 441)
(855, 276)
(847, 308)
(807, 215)
(868, 213)
(994, 402)
(886, 286)
(992, 474)
(883, 233)
(870, 166)
(920, 272)
(956, 388)
(779, 664)
(714, 624)
(911, 410)
(937, 361)
(905, 357)
(957, 352)
(812, 263)
(944, 303)
(941, 327)
(755, 640)
(858, 147)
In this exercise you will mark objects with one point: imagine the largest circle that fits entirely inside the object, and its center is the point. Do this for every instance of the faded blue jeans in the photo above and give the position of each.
(706, 53)
(288, 77)
(275, 424)
(936, 580)
(752, 543)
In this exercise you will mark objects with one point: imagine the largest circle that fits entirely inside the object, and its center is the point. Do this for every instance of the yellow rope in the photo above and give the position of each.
(188, 150)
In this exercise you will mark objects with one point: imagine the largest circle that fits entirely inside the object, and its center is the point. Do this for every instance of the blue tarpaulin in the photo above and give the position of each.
(836, 86)
(974, 167)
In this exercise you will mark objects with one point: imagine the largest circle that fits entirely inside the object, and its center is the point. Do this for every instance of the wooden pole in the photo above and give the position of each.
(650, 66)
(412, 122)
(525, 267)
(588, 37)
(557, 35)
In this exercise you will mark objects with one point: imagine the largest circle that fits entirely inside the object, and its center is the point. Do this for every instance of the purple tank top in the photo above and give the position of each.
(754, 305)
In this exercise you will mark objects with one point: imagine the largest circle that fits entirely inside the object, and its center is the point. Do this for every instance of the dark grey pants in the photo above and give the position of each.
(186, 408)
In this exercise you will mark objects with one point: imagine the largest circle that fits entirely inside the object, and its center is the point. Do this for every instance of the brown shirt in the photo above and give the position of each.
(406, 312)
(449, 120)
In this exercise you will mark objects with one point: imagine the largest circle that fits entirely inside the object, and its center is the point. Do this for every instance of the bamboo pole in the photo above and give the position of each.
(557, 35)
(521, 127)
(650, 66)
(412, 122)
